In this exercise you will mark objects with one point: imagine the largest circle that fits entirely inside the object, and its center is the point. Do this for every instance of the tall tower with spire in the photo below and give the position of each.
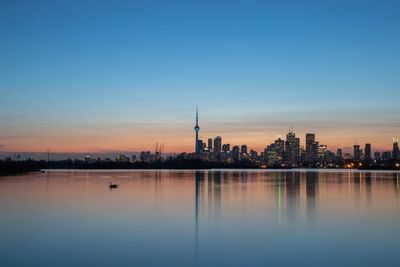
(197, 128)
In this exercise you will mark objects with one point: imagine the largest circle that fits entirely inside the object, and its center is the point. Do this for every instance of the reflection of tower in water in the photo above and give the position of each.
(211, 196)
(199, 181)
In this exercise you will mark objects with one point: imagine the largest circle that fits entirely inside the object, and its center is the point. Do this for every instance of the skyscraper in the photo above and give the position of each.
(314, 152)
(243, 149)
(339, 153)
(274, 153)
(235, 153)
(322, 150)
(357, 152)
(280, 147)
(368, 154)
(210, 143)
(197, 128)
(200, 145)
(217, 144)
(395, 152)
(292, 149)
(226, 148)
(310, 139)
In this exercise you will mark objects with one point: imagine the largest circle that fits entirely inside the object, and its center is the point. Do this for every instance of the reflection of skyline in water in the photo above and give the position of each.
(295, 192)
(300, 198)
(211, 218)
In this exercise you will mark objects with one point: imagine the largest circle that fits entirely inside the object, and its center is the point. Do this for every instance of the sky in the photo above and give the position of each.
(101, 76)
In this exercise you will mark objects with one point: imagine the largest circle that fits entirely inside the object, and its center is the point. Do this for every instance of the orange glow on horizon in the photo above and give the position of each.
(175, 143)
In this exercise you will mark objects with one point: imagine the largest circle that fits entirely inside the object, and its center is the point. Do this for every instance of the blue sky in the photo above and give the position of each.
(120, 75)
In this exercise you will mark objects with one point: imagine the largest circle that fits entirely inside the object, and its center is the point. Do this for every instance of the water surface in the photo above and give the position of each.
(200, 218)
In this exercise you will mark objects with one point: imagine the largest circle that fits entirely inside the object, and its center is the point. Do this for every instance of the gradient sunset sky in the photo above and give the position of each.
(93, 76)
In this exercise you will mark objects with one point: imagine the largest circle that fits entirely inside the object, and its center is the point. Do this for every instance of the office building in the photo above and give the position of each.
(210, 144)
(217, 144)
(310, 139)
(368, 153)
(243, 149)
(356, 152)
(395, 152)
(226, 148)
(235, 153)
(339, 153)
(292, 149)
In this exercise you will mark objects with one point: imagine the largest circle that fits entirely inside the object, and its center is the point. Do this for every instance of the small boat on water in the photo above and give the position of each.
(113, 185)
(42, 171)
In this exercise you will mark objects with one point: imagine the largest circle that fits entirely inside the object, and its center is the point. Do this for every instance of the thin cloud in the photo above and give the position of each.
(12, 118)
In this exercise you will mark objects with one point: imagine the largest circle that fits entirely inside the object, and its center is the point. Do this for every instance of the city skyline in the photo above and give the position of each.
(306, 145)
(204, 137)
(120, 76)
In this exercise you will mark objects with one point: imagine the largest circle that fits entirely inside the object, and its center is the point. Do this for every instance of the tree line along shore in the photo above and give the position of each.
(11, 167)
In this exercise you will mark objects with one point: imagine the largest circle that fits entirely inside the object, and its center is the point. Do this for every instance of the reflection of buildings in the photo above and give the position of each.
(239, 188)
(284, 199)
(368, 187)
(292, 195)
(311, 192)
(207, 191)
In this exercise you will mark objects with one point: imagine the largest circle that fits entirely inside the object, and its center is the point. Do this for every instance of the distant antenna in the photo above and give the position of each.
(48, 155)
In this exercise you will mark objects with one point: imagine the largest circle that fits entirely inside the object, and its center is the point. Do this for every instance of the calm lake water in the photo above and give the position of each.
(200, 218)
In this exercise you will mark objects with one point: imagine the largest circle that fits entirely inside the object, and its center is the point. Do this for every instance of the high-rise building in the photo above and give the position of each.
(347, 156)
(386, 156)
(197, 128)
(217, 144)
(200, 145)
(210, 144)
(292, 149)
(322, 151)
(314, 152)
(226, 148)
(395, 152)
(271, 156)
(235, 153)
(204, 146)
(274, 153)
(302, 154)
(253, 154)
(339, 153)
(243, 149)
(377, 155)
(310, 139)
(330, 156)
(280, 147)
(368, 153)
(356, 152)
